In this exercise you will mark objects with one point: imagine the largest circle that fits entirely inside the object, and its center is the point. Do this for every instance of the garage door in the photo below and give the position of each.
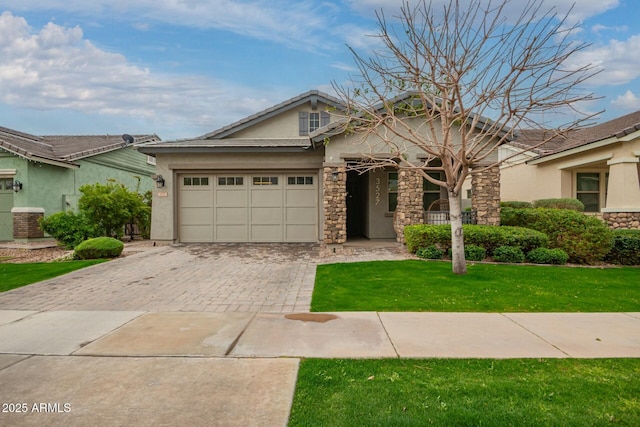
(237, 207)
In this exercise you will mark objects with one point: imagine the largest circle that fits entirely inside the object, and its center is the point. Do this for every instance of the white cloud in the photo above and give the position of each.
(56, 68)
(617, 60)
(627, 101)
(598, 28)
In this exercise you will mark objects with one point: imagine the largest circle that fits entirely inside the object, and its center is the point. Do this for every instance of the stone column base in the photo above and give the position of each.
(622, 220)
(25, 223)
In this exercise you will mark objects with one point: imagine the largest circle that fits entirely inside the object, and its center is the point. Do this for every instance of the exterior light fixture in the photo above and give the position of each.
(334, 176)
(17, 186)
(160, 181)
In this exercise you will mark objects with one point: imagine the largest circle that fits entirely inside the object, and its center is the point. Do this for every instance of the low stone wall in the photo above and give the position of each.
(409, 210)
(622, 220)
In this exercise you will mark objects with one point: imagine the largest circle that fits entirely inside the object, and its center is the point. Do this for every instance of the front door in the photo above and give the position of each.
(356, 198)
(6, 204)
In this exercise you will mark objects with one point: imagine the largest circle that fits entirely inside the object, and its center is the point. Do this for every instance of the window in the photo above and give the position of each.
(195, 180)
(230, 180)
(431, 191)
(392, 188)
(311, 121)
(265, 180)
(6, 184)
(300, 180)
(151, 160)
(588, 190)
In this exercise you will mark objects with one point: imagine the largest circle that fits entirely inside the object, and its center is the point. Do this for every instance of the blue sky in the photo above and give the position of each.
(182, 68)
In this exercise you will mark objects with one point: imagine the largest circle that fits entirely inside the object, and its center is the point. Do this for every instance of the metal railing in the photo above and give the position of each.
(442, 217)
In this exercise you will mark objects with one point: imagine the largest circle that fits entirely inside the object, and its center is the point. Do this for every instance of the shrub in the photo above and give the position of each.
(547, 256)
(626, 248)
(571, 204)
(109, 207)
(473, 253)
(515, 204)
(485, 236)
(67, 228)
(99, 247)
(430, 252)
(584, 238)
(512, 254)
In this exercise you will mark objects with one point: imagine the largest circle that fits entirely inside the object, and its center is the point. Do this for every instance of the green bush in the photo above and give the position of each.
(67, 228)
(488, 237)
(515, 204)
(571, 204)
(626, 248)
(109, 207)
(430, 252)
(547, 256)
(473, 253)
(99, 247)
(586, 239)
(511, 254)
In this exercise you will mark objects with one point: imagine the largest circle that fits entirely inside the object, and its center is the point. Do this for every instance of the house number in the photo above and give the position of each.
(377, 191)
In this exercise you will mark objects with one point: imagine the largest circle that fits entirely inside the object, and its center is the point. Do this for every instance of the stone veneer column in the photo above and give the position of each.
(334, 196)
(25, 223)
(409, 209)
(485, 196)
(617, 220)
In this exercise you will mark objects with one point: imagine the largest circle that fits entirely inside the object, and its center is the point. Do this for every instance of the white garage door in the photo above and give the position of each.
(237, 207)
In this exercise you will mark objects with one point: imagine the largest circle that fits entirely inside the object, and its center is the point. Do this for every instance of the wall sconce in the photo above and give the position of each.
(334, 176)
(160, 181)
(17, 186)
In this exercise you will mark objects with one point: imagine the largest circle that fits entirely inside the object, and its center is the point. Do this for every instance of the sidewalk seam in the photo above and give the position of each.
(235, 341)
(535, 335)
(384, 328)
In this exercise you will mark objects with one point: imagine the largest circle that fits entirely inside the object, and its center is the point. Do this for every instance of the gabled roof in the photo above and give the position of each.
(63, 150)
(616, 128)
(312, 96)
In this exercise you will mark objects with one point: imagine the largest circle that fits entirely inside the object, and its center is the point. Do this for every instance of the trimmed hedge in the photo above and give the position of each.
(548, 256)
(571, 204)
(626, 248)
(100, 247)
(488, 237)
(511, 254)
(430, 252)
(472, 253)
(515, 204)
(68, 228)
(586, 239)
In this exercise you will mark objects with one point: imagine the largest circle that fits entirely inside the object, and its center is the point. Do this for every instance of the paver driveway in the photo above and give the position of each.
(211, 277)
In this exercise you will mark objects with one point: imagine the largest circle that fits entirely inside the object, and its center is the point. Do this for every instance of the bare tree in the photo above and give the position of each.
(443, 72)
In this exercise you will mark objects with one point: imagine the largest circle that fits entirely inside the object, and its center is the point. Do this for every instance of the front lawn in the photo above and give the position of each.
(414, 285)
(467, 392)
(16, 275)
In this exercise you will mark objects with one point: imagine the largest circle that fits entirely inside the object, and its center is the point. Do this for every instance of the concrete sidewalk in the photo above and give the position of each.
(189, 368)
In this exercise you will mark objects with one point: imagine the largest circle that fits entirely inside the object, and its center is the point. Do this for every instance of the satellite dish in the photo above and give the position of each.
(128, 139)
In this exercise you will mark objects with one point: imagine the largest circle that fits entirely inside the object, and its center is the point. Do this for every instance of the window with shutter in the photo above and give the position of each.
(303, 119)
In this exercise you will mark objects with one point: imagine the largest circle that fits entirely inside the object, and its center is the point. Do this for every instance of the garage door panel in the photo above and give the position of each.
(196, 233)
(196, 216)
(300, 216)
(306, 197)
(195, 199)
(233, 198)
(266, 233)
(300, 233)
(261, 216)
(231, 216)
(231, 233)
(266, 198)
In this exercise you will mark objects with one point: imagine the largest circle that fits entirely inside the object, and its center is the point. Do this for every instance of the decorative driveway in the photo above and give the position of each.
(206, 277)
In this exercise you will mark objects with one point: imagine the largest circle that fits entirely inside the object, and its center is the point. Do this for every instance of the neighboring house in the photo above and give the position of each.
(281, 176)
(598, 165)
(41, 175)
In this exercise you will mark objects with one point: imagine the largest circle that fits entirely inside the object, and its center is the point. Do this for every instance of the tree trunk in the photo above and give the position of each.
(458, 264)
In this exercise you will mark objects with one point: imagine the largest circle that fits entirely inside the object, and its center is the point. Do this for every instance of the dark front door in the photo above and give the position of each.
(356, 199)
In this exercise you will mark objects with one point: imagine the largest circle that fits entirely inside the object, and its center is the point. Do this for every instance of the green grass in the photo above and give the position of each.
(414, 285)
(16, 275)
(467, 392)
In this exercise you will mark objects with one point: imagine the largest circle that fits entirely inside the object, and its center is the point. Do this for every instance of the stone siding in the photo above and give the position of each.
(409, 210)
(335, 205)
(619, 220)
(485, 196)
(25, 225)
